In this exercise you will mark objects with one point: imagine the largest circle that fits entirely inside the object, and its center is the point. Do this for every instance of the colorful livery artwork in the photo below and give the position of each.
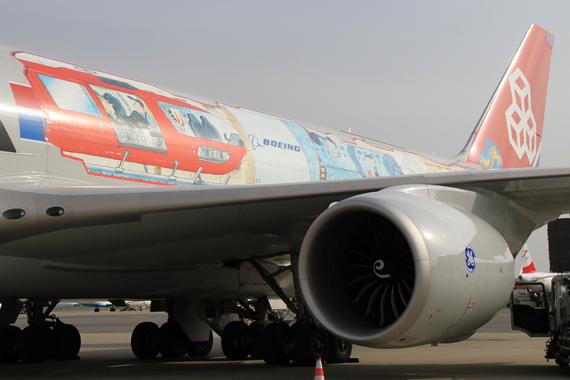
(125, 129)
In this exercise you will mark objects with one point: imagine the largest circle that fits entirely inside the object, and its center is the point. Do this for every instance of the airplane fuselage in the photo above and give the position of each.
(110, 127)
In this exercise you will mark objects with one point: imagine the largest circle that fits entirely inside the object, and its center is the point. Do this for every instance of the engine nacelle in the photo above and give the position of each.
(400, 268)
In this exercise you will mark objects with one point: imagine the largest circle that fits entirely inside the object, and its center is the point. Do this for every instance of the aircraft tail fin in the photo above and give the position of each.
(509, 133)
(527, 264)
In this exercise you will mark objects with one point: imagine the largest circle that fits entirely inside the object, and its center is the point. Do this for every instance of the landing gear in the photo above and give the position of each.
(234, 343)
(46, 337)
(66, 341)
(144, 340)
(172, 341)
(303, 343)
(255, 332)
(148, 340)
(8, 339)
(198, 349)
(339, 350)
(33, 344)
(311, 343)
(277, 343)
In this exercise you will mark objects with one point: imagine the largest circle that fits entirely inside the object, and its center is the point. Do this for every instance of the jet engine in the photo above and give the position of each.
(406, 266)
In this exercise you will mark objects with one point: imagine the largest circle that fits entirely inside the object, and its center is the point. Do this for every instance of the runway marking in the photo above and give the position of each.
(120, 365)
(419, 374)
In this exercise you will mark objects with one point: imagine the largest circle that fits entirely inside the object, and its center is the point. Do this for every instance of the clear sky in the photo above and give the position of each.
(414, 73)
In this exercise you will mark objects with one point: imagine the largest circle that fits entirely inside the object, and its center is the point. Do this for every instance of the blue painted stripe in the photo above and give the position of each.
(31, 127)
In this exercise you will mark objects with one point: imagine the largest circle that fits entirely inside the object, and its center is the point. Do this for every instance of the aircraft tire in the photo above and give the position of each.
(172, 341)
(339, 350)
(276, 344)
(8, 339)
(66, 342)
(198, 349)
(234, 341)
(311, 343)
(33, 344)
(144, 340)
(255, 332)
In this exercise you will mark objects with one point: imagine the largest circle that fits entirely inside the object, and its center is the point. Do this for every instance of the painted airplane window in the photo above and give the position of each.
(133, 121)
(202, 125)
(70, 96)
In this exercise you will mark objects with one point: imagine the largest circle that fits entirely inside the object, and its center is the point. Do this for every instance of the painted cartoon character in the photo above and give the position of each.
(177, 119)
(139, 116)
(391, 165)
(490, 156)
(109, 108)
(373, 172)
(333, 149)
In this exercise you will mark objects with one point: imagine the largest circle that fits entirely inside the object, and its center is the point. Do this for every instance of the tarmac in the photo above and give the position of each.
(495, 352)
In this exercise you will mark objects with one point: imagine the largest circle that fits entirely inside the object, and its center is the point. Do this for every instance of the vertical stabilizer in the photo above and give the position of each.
(509, 133)
(527, 264)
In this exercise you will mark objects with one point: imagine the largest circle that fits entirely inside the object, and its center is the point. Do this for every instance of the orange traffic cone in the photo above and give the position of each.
(319, 374)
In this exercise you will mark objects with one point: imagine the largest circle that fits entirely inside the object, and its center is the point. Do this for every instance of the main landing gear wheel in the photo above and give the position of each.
(198, 349)
(234, 343)
(33, 344)
(144, 340)
(277, 343)
(66, 342)
(172, 341)
(339, 350)
(311, 343)
(8, 339)
(255, 332)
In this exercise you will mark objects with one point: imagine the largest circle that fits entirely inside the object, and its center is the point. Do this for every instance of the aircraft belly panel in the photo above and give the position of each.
(205, 281)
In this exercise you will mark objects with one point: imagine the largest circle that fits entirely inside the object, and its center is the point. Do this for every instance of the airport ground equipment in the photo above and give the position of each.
(537, 313)
(559, 245)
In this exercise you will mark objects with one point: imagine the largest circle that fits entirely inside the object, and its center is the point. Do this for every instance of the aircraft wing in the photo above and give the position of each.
(219, 223)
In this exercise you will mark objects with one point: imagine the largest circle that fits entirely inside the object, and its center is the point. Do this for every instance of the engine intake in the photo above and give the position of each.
(375, 269)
